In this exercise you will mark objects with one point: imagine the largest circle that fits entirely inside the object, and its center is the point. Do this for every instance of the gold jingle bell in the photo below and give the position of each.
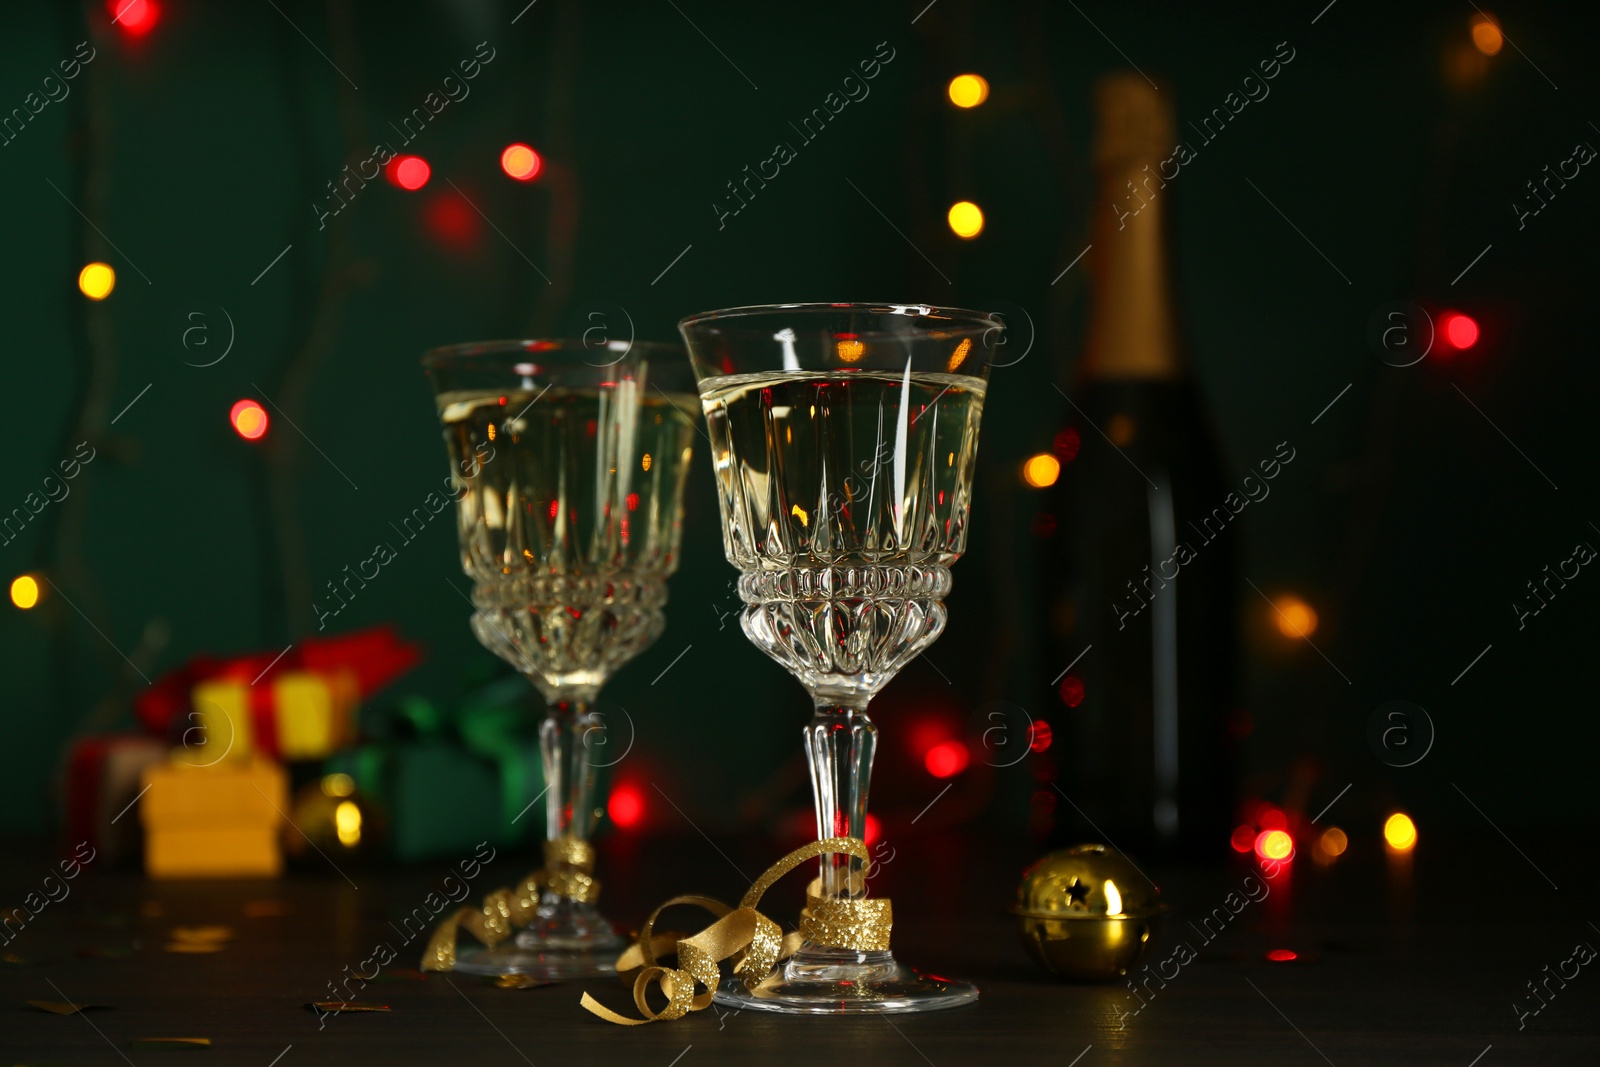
(1087, 913)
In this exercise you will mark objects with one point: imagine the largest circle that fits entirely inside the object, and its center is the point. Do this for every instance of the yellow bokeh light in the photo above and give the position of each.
(1275, 845)
(1400, 832)
(251, 422)
(25, 591)
(347, 823)
(1487, 36)
(1041, 471)
(1294, 617)
(338, 785)
(1334, 841)
(968, 90)
(849, 349)
(966, 219)
(644, 461)
(97, 280)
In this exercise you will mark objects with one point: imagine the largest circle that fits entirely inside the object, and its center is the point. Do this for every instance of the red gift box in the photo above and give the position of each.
(102, 782)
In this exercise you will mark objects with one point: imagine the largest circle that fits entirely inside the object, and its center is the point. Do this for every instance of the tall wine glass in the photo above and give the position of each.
(569, 463)
(843, 437)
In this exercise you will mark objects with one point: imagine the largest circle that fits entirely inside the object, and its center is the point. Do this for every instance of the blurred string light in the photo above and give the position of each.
(1274, 845)
(25, 591)
(1486, 36)
(946, 759)
(1294, 617)
(966, 219)
(96, 281)
(521, 162)
(1066, 444)
(1282, 955)
(1460, 331)
(408, 172)
(1334, 841)
(1243, 838)
(1041, 471)
(134, 17)
(1399, 832)
(347, 823)
(626, 806)
(249, 419)
(968, 90)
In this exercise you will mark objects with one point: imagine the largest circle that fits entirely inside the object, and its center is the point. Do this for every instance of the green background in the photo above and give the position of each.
(1411, 522)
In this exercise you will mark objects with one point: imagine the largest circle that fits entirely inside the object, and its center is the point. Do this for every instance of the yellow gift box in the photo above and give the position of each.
(217, 820)
(298, 715)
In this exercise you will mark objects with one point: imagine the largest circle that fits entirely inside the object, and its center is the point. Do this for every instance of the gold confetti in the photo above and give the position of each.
(345, 1005)
(158, 1043)
(520, 981)
(61, 1007)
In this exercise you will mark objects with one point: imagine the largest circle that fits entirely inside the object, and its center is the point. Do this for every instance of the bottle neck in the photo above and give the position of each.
(1133, 332)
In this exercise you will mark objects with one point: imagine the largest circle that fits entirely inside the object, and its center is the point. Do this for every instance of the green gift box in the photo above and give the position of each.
(457, 780)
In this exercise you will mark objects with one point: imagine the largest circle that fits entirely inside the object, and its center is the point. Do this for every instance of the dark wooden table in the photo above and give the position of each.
(1419, 963)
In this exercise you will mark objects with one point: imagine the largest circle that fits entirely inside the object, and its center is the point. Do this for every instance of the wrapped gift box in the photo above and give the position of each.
(213, 821)
(102, 781)
(297, 715)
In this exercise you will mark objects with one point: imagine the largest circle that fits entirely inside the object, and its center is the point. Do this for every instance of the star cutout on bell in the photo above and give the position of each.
(1077, 894)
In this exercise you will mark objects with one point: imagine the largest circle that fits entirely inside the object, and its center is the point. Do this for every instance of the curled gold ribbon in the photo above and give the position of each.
(754, 943)
(568, 864)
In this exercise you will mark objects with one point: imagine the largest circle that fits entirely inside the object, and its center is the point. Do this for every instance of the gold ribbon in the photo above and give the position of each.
(566, 872)
(754, 943)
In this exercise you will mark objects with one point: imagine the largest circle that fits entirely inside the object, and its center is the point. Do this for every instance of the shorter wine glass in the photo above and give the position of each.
(569, 464)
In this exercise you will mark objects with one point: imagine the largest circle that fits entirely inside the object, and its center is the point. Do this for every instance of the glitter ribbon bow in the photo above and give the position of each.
(566, 872)
(753, 942)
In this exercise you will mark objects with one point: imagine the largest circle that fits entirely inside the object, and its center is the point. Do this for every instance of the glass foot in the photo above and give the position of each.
(568, 939)
(820, 981)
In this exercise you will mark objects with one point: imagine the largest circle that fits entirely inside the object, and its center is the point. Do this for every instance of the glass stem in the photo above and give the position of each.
(569, 774)
(840, 742)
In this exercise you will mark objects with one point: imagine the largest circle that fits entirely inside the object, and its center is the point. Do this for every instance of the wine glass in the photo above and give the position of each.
(568, 461)
(843, 438)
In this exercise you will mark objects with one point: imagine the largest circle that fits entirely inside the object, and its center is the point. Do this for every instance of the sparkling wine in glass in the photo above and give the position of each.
(843, 438)
(569, 461)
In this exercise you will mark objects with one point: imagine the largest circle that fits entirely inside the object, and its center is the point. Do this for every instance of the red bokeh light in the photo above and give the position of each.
(1066, 445)
(1243, 839)
(626, 806)
(1272, 819)
(408, 172)
(873, 830)
(632, 501)
(249, 420)
(1282, 955)
(521, 162)
(946, 759)
(452, 220)
(1461, 331)
(1040, 735)
(135, 17)
(1072, 690)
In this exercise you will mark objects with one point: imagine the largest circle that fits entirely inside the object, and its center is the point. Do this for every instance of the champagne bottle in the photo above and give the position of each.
(1137, 568)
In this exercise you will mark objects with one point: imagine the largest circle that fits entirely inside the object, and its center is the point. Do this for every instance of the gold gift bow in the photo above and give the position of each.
(566, 872)
(752, 941)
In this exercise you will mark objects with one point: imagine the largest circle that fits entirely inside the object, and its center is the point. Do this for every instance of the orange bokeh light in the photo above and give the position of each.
(249, 420)
(521, 162)
(1294, 617)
